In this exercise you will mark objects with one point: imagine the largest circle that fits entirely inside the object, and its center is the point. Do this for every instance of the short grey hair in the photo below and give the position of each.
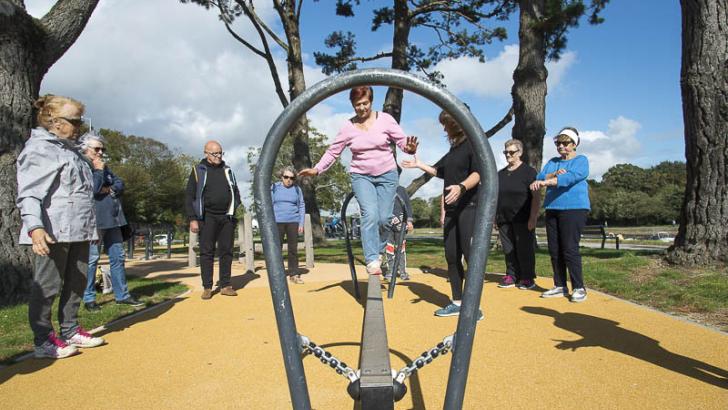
(83, 142)
(515, 142)
(287, 169)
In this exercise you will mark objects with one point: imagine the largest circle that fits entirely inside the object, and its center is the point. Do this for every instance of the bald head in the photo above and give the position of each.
(213, 152)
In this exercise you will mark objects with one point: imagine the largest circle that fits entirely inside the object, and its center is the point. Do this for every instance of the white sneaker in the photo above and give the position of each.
(54, 348)
(84, 339)
(555, 292)
(579, 295)
(374, 267)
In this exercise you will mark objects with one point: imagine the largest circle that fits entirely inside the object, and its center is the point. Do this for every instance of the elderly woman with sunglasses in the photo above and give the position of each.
(289, 210)
(108, 189)
(567, 205)
(55, 198)
(516, 216)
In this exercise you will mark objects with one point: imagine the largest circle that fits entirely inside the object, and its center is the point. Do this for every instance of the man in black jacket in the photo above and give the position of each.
(211, 199)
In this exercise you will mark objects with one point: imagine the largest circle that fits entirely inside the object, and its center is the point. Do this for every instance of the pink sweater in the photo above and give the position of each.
(370, 149)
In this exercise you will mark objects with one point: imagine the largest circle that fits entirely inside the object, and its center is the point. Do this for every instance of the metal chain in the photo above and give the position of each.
(309, 347)
(426, 358)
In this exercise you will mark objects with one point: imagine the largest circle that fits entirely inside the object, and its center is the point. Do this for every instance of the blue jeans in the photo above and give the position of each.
(114, 246)
(375, 195)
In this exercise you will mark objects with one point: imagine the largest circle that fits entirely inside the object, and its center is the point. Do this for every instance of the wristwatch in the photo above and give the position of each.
(462, 188)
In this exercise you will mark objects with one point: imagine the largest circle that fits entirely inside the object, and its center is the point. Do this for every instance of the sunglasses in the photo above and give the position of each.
(289, 177)
(98, 149)
(509, 153)
(216, 154)
(563, 143)
(76, 122)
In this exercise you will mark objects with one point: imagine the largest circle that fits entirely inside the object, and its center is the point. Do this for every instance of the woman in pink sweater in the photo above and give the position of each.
(373, 169)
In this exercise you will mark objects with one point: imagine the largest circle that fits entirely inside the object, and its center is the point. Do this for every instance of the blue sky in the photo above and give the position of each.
(170, 71)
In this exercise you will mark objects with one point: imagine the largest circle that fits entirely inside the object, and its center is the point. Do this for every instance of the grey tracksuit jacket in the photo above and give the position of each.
(55, 190)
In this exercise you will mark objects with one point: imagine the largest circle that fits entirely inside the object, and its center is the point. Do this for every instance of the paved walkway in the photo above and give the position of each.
(529, 353)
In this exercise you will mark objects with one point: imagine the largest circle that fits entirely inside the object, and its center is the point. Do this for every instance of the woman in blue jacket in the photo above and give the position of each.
(567, 205)
(289, 210)
(108, 189)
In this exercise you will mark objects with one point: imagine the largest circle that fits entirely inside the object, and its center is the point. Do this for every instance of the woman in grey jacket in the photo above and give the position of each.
(55, 198)
(108, 189)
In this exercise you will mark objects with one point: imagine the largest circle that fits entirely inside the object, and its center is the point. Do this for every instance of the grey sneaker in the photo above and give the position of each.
(84, 339)
(449, 310)
(555, 292)
(579, 295)
(54, 348)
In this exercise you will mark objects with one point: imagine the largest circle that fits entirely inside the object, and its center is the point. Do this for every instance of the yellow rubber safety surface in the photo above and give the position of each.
(529, 353)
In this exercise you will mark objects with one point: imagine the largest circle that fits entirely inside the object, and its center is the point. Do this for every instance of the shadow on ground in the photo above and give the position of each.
(607, 334)
(32, 365)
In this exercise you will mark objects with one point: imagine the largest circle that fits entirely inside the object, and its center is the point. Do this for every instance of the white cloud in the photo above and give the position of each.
(617, 145)
(494, 78)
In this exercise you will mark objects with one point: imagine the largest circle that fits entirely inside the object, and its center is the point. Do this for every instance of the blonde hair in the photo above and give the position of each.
(49, 105)
(459, 135)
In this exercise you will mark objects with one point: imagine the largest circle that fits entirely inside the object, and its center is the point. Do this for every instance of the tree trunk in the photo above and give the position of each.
(529, 84)
(301, 151)
(400, 40)
(28, 48)
(703, 235)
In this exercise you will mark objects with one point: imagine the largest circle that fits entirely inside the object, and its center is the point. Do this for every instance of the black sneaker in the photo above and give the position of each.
(91, 306)
(130, 301)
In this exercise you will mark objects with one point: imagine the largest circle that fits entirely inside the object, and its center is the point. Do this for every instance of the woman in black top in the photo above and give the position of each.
(516, 218)
(461, 181)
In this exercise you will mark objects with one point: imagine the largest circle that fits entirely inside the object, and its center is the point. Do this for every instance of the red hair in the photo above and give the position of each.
(357, 93)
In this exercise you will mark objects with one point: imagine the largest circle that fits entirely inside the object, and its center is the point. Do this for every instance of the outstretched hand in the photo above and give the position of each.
(411, 145)
(308, 172)
(411, 163)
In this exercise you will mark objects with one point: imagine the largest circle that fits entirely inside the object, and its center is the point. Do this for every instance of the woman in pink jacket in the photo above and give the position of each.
(373, 169)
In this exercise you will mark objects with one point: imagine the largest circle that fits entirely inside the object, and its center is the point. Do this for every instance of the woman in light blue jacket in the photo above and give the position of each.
(55, 198)
(567, 205)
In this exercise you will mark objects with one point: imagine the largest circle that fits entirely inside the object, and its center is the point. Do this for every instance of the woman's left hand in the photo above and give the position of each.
(300, 229)
(531, 224)
(454, 192)
(411, 145)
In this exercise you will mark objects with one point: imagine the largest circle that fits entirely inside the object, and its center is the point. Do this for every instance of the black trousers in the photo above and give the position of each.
(563, 230)
(290, 232)
(216, 232)
(519, 248)
(458, 233)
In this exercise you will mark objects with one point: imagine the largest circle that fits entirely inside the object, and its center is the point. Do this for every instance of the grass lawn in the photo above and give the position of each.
(16, 338)
(638, 276)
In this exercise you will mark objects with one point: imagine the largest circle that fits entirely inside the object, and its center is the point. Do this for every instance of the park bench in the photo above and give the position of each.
(598, 232)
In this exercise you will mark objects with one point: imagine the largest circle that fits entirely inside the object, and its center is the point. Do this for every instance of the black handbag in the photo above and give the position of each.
(126, 232)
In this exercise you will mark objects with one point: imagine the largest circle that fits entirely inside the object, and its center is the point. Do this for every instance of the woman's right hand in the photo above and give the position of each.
(411, 163)
(41, 239)
(98, 163)
(308, 172)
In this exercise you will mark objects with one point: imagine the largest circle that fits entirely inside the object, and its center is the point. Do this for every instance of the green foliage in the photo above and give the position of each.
(154, 177)
(457, 28)
(630, 195)
(331, 187)
(420, 212)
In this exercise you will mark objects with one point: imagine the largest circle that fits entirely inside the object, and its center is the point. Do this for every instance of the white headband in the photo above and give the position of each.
(569, 133)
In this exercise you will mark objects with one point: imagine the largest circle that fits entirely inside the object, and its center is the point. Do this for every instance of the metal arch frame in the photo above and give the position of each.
(485, 210)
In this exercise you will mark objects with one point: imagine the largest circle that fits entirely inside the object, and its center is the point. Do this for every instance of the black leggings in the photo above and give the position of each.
(563, 230)
(458, 232)
(289, 230)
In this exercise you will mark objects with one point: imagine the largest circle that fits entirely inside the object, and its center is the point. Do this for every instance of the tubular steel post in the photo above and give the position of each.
(398, 251)
(347, 238)
(487, 197)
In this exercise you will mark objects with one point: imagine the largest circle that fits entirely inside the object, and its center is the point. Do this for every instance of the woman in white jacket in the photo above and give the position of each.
(55, 198)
